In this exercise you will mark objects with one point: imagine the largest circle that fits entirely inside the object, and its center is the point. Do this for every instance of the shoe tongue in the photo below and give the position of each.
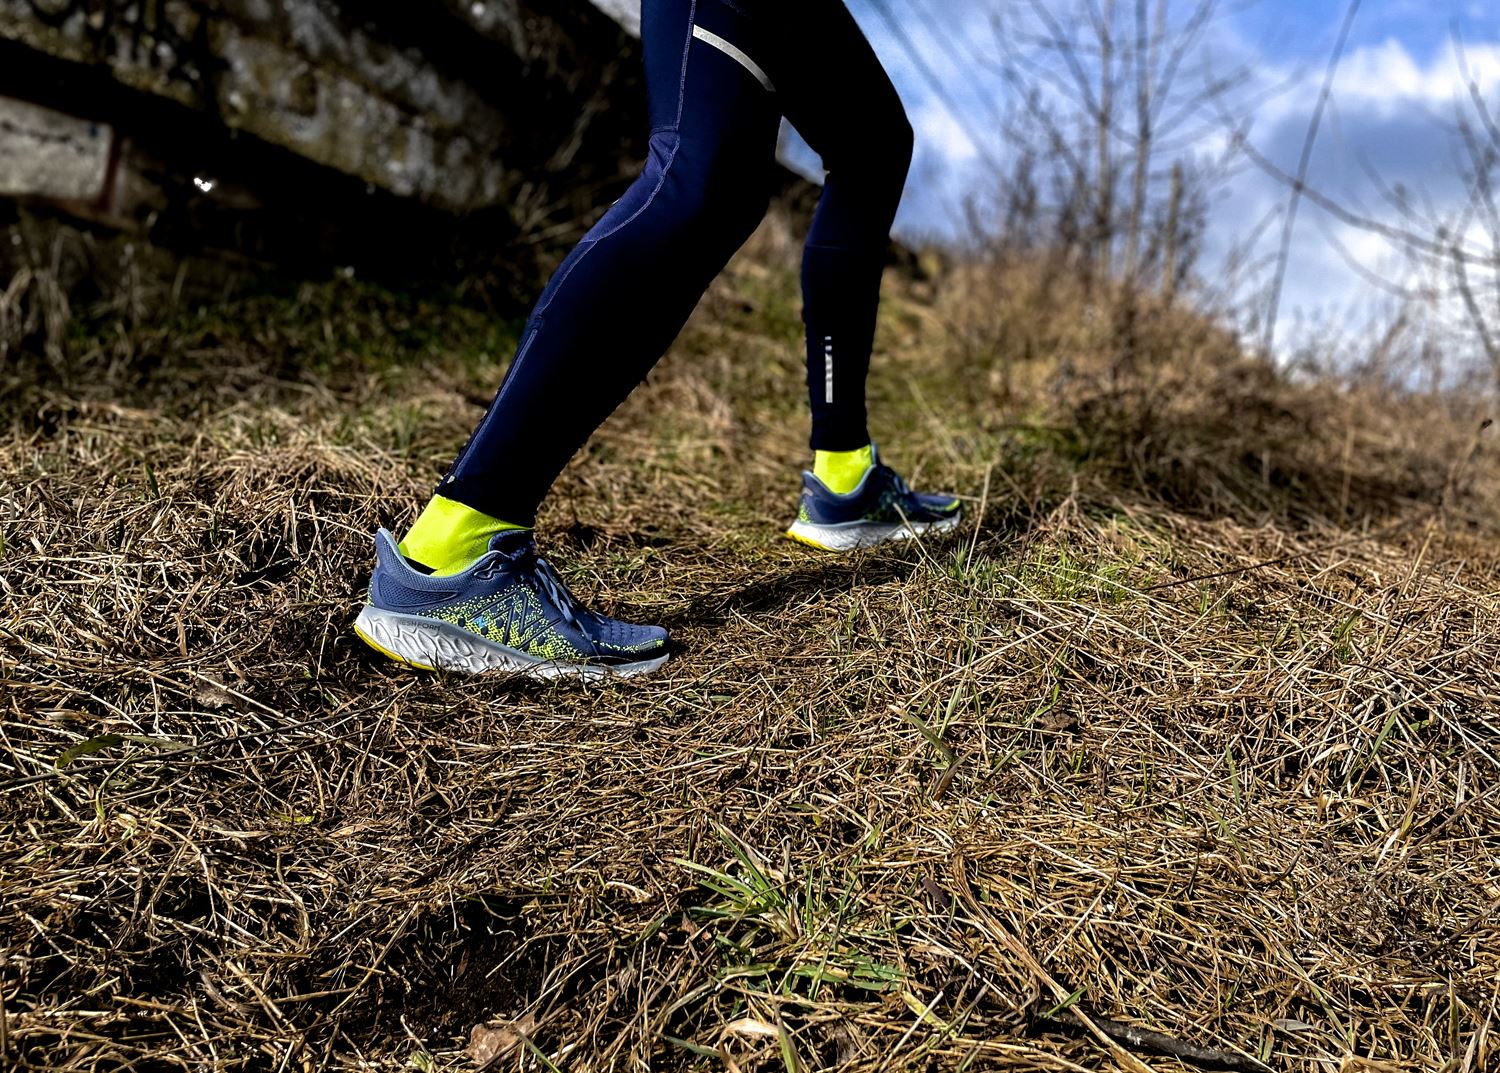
(511, 541)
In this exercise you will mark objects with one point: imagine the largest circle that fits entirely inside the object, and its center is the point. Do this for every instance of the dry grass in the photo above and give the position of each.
(1195, 731)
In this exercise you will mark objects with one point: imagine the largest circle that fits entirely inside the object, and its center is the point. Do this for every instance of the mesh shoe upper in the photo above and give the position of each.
(882, 497)
(511, 597)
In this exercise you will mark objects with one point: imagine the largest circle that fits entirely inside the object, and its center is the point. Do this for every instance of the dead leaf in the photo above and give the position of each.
(749, 1026)
(211, 695)
(1355, 1064)
(495, 1039)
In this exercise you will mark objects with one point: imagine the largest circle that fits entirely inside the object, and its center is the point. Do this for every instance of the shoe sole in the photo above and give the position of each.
(432, 645)
(851, 535)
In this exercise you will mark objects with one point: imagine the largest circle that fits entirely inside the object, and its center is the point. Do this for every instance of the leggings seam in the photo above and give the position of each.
(650, 200)
(537, 317)
(661, 181)
(526, 341)
(687, 48)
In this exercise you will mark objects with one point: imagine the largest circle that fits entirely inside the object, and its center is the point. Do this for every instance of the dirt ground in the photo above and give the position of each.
(1183, 752)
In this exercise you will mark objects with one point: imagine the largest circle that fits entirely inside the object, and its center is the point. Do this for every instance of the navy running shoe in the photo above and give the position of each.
(507, 612)
(881, 508)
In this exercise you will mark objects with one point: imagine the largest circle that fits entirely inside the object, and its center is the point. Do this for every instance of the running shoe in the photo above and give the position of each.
(509, 611)
(881, 508)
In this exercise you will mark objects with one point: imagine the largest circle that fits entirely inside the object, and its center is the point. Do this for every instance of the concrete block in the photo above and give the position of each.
(47, 154)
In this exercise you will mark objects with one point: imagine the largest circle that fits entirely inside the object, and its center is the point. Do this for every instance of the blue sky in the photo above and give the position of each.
(1391, 112)
(1391, 116)
(1309, 29)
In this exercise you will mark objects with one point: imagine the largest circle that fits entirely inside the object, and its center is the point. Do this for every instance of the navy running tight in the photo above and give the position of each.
(719, 75)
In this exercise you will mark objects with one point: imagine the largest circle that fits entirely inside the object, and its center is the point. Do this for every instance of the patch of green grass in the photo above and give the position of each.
(1061, 574)
(790, 939)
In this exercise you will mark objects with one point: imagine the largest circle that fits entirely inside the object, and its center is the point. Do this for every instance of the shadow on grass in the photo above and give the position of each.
(827, 573)
(784, 587)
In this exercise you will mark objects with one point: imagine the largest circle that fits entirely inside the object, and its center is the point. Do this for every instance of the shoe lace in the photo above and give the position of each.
(524, 560)
(897, 482)
(557, 591)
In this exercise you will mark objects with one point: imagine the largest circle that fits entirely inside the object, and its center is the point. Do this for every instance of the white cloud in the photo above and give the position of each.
(1386, 76)
(1391, 113)
(937, 131)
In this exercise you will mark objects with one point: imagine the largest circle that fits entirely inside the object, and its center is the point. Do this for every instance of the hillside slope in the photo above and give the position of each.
(1195, 730)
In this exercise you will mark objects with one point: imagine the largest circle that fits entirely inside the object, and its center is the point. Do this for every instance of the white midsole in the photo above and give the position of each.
(433, 643)
(851, 535)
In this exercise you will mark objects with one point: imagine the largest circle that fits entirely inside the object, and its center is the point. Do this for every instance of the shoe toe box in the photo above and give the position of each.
(937, 505)
(630, 641)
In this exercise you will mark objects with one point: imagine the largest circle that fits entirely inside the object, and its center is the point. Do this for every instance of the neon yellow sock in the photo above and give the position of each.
(448, 537)
(842, 471)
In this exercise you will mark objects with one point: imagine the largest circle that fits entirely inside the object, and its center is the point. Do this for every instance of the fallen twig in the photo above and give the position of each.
(1156, 1042)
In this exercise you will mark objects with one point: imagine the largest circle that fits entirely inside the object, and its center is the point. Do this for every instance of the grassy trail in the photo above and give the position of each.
(1194, 727)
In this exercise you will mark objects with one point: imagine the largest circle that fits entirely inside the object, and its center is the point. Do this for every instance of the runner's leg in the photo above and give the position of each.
(834, 90)
(624, 293)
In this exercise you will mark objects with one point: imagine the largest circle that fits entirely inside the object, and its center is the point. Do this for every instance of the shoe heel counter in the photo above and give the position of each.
(373, 595)
(387, 589)
(387, 552)
(822, 507)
